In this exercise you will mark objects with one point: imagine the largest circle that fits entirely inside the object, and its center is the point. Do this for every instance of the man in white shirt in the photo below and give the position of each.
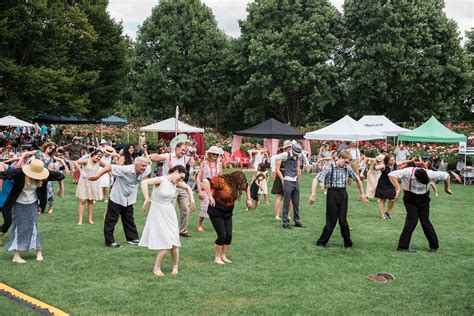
(415, 184)
(122, 197)
(401, 154)
(355, 162)
(178, 157)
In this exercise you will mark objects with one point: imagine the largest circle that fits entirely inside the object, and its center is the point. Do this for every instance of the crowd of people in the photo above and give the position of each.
(103, 173)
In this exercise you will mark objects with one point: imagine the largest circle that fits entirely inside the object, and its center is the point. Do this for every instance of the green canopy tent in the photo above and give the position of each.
(432, 131)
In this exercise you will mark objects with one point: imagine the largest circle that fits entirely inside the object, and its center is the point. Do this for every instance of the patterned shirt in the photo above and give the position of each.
(335, 177)
(410, 183)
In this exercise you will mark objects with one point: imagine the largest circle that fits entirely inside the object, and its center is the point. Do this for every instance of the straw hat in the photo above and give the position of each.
(214, 150)
(109, 150)
(380, 157)
(296, 148)
(36, 170)
(286, 144)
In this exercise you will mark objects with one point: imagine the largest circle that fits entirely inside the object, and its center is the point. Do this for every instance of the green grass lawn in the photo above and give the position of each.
(274, 271)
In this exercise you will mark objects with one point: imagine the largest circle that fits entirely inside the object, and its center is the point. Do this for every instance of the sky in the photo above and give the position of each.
(132, 13)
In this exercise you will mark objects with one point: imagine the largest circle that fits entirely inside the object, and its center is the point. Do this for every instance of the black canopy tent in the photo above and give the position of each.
(114, 120)
(62, 119)
(271, 128)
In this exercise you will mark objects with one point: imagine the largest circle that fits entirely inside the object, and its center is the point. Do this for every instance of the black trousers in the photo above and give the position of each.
(417, 207)
(222, 222)
(336, 209)
(291, 192)
(7, 219)
(114, 211)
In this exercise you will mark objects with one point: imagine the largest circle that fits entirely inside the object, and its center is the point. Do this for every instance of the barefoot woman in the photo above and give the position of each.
(161, 230)
(223, 191)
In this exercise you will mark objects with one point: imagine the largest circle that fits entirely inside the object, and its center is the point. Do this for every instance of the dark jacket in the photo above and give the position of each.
(18, 178)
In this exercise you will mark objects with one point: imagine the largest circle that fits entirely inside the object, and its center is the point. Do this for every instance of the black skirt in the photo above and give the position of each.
(277, 187)
(385, 189)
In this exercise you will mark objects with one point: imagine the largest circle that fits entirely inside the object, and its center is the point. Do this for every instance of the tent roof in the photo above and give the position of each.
(168, 126)
(13, 121)
(114, 120)
(50, 118)
(434, 132)
(346, 129)
(271, 128)
(381, 124)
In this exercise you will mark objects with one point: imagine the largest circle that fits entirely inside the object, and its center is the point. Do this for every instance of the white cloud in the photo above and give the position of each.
(227, 12)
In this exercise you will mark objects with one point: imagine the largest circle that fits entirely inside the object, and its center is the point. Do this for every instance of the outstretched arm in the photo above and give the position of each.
(106, 169)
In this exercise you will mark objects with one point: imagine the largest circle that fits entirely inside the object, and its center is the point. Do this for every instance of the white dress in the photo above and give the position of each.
(105, 179)
(161, 227)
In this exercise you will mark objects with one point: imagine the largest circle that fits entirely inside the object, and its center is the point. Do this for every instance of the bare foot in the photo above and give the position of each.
(200, 229)
(79, 223)
(39, 257)
(174, 271)
(218, 261)
(277, 218)
(158, 272)
(225, 259)
(267, 203)
(50, 212)
(91, 222)
(18, 260)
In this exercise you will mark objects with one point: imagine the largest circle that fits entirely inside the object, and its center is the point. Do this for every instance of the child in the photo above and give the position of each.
(255, 187)
(262, 169)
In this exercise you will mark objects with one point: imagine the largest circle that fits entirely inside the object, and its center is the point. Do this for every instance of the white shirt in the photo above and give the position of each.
(355, 153)
(28, 194)
(416, 186)
(284, 156)
(175, 161)
(460, 166)
(124, 190)
(401, 155)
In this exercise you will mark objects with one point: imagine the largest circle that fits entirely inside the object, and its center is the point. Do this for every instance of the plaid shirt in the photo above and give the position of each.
(334, 177)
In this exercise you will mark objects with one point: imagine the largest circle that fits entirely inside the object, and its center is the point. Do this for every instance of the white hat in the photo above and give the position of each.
(286, 144)
(380, 157)
(215, 150)
(103, 141)
(36, 170)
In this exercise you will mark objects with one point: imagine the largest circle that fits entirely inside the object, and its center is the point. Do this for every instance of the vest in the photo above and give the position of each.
(291, 166)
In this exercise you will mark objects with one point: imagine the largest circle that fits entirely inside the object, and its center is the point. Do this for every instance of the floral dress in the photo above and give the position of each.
(208, 172)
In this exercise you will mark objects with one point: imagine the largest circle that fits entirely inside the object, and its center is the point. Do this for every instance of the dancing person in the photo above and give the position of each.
(178, 157)
(334, 177)
(122, 198)
(255, 187)
(89, 191)
(385, 190)
(161, 231)
(416, 197)
(277, 187)
(258, 155)
(263, 188)
(105, 180)
(208, 168)
(355, 162)
(29, 188)
(291, 180)
(47, 155)
(75, 149)
(401, 154)
(127, 155)
(374, 170)
(6, 186)
(223, 191)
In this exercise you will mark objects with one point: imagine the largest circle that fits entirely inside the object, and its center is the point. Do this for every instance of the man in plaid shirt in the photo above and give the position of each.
(334, 177)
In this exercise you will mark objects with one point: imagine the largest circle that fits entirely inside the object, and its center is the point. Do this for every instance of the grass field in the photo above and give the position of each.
(275, 271)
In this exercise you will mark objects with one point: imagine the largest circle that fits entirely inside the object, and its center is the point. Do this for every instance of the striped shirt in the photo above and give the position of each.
(335, 177)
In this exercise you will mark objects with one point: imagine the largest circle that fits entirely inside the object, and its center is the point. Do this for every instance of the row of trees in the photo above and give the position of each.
(300, 61)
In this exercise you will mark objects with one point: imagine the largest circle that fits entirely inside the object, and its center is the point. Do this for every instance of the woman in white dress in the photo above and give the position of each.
(161, 231)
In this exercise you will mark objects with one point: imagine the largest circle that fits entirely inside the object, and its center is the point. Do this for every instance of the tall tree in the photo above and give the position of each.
(469, 47)
(37, 40)
(287, 49)
(406, 59)
(179, 60)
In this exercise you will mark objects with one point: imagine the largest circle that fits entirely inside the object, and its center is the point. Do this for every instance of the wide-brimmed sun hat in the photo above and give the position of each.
(286, 144)
(36, 170)
(109, 150)
(214, 150)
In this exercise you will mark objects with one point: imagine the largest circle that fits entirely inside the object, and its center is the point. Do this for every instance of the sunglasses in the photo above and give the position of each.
(216, 155)
(347, 161)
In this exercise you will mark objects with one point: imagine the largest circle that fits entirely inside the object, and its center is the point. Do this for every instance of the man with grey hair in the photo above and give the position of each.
(178, 157)
(122, 197)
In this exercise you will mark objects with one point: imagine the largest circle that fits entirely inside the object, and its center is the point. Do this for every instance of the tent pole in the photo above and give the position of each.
(128, 134)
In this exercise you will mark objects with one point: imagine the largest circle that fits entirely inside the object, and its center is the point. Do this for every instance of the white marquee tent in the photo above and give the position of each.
(169, 126)
(381, 124)
(346, 129)
(14, 122)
